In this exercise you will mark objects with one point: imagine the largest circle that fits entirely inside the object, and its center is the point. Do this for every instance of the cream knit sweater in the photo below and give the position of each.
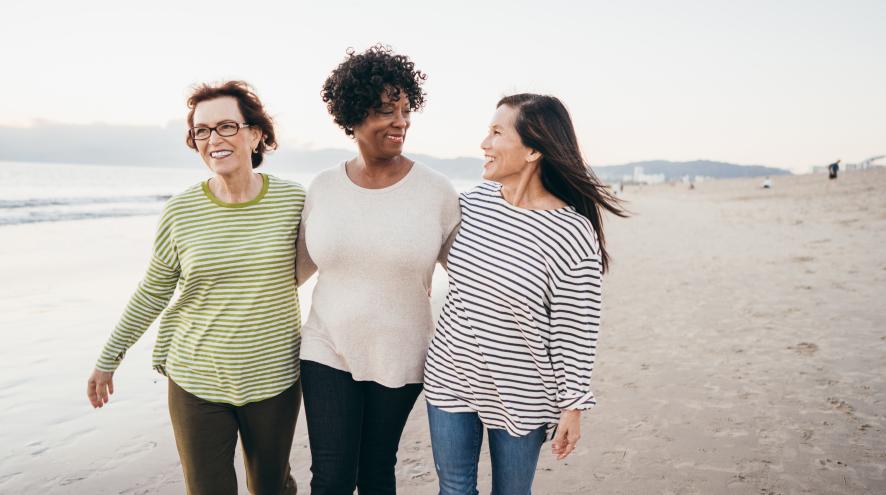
(374, 251)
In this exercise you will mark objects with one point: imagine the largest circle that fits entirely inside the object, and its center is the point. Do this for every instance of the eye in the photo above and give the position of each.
(200, 132)
(227, 127)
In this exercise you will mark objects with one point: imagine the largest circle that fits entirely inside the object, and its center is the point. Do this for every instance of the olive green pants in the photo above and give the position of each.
(206, 435)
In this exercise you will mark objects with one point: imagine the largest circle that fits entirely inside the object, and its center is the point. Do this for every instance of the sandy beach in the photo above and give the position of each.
(743, 350)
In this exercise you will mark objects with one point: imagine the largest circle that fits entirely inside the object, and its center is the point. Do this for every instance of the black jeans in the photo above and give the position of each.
(354, 430)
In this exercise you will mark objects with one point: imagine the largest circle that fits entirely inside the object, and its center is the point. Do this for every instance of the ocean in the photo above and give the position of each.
(41, 192)
(52, 192)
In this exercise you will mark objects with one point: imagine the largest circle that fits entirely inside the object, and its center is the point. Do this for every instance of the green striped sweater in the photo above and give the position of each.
(233, 333)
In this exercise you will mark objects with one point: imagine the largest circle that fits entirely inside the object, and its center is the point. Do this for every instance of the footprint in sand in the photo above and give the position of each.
(840, 405)
(804, 348)
(6, 477)
(807, 435)
(832, 464)
(802, 259)
(73, 478)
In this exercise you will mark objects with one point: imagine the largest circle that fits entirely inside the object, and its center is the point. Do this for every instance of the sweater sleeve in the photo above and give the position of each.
(150, 298)
(304, 265)
(451, 219)
(576, 302)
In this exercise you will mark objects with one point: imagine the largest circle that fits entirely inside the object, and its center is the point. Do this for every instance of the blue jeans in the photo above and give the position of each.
(456, 439)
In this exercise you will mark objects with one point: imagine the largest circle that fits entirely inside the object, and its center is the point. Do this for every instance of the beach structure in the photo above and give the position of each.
(851, 167)
(638, 177)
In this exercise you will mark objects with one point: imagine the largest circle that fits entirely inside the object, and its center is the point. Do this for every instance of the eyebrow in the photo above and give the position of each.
(206, 124)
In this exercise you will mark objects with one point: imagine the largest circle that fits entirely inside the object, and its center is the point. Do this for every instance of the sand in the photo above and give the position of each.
(743, 351)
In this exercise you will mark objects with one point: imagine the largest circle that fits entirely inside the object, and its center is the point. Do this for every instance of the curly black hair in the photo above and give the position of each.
(356, 85)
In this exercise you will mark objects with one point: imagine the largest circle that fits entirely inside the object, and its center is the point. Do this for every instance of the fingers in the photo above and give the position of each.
(563, 450)
(564, 443)
(92, 394)
(103, 392)
(99, 387)
(566, 451)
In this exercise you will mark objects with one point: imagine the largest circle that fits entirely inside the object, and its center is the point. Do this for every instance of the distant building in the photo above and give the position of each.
(850, 167)
(638, 177)
(686, 179)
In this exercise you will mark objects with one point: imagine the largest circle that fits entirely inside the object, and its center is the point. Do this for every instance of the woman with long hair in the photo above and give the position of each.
(516, 340)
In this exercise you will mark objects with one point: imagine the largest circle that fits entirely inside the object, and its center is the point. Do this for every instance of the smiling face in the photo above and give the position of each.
(506, 156)
(383, 132)
(225, 155)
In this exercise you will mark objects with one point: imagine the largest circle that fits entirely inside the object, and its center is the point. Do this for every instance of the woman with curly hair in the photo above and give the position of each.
(229, 343)
(373, 229)
(516, 340)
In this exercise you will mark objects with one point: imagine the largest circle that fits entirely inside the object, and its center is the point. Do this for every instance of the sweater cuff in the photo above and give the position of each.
(576, 400)
(109, 363)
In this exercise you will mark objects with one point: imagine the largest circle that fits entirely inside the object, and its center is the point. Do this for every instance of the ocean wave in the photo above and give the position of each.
(80, 201)
(61, 216)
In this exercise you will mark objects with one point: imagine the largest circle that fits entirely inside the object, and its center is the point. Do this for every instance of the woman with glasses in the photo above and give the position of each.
(374, 228)
(516, 340)
(229, 344)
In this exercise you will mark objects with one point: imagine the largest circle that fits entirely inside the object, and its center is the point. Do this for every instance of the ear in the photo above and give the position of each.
(533, 156)
(257, 136)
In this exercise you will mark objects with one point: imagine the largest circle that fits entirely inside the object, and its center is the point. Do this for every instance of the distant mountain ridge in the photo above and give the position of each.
(103, 144)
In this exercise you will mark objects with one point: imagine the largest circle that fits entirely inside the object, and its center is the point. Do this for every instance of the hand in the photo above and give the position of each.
(99, 387)
(568, 433)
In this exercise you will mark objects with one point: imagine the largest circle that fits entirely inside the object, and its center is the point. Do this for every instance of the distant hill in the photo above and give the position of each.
(103, 144)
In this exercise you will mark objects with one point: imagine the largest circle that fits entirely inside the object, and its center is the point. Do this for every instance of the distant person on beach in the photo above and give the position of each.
(516, 340)
(374, 228)
(833, 169)
(767, 183)
(229, 344)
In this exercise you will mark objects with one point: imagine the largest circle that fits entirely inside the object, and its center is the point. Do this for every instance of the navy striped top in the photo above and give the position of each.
(516, 339)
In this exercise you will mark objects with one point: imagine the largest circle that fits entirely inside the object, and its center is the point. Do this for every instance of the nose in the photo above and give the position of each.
(402, 120)
(484, 145)
(214, 136)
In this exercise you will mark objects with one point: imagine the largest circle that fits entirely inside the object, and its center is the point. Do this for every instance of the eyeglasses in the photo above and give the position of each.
(225, 129)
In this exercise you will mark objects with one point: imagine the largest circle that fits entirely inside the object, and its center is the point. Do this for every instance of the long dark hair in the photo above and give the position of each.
(544, 125)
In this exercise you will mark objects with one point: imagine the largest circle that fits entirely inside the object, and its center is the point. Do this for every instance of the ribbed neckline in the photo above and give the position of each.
(343, 172)
(497, 193)
(253, 201)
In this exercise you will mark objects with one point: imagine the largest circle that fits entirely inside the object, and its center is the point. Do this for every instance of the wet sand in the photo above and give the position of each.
(743, 351)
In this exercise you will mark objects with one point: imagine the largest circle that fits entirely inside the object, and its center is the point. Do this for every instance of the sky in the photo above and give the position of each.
(789, 84)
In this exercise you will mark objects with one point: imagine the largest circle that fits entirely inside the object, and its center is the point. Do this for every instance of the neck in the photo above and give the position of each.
(526, 190)
(375, 173)
(373, 166)
(239, 187)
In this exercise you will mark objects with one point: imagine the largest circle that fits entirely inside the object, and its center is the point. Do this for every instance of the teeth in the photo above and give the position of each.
(220, 154)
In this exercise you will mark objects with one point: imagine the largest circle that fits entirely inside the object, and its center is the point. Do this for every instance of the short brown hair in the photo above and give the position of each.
(250, 106)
